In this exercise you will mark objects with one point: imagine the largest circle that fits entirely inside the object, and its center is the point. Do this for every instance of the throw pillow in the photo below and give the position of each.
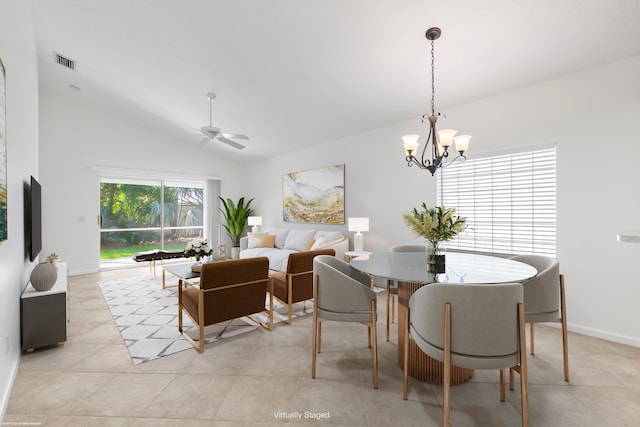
(320, 243)
(253, 240)
(281, 236)
(309, 244)
(297, 239)
(267, 241)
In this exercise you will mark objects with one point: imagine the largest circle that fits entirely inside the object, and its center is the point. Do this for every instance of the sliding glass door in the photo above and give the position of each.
(138, 216)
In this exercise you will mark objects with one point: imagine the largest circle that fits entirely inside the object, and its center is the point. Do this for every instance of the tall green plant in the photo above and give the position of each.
(236, 217)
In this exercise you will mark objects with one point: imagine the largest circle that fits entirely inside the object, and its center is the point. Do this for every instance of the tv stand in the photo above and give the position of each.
(43, 314)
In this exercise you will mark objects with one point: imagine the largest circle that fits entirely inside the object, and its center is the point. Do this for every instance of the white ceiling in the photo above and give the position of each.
(291, 73)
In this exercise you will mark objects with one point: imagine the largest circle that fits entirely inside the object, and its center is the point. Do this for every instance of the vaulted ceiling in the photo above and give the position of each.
(292, 73)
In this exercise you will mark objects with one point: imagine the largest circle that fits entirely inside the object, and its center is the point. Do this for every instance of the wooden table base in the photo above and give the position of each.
(421, 366)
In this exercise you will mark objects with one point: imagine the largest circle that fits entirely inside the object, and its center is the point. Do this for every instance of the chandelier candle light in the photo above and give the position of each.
(440, 140)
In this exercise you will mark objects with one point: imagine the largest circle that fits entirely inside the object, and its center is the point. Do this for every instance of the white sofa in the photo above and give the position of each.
(293, 240)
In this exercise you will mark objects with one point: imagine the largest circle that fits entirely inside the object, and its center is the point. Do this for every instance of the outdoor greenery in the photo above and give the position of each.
(113, 252)
(236, 217)
(132, 207)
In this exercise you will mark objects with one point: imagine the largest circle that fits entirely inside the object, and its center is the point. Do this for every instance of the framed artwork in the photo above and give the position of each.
(314, 196)
(3, 154)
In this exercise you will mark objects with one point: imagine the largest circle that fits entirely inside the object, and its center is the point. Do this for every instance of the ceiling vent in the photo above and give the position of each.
(65, 62)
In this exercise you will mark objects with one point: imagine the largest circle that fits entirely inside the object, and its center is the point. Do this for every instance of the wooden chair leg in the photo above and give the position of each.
(375, 344)
(389, 305)
(524, 376)
(531, 331)
(446, 407)
(563, 320)
(502, 393)
(511, 379)
(314, 341)
(319, 335)
(393, 308)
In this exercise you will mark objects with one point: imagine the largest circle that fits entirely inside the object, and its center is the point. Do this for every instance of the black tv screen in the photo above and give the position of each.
(35, 219)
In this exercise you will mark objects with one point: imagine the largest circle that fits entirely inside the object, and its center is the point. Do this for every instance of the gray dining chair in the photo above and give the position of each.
(544, 300)
(342, 293)
(392, 285)
(471, 326)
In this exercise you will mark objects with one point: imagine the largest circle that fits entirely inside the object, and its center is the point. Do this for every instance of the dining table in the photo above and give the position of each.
(409, 270)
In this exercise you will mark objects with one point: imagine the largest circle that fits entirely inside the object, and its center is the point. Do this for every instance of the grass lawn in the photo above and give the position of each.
(128, 251)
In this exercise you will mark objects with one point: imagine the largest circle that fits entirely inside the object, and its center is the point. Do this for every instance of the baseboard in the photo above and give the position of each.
(599, 333)
(6, 392)
(81, 272)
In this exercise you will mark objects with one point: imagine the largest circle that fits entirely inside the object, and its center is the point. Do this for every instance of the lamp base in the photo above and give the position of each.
(358, 242)
(255, 229)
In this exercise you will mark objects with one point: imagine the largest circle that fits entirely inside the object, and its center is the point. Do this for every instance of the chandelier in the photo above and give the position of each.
(440, 140)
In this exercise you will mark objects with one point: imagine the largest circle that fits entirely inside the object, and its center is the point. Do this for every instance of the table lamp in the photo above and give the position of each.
(358, 224)
(255, 221)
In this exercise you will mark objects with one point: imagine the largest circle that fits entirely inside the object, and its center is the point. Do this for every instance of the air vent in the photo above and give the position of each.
(65, 62)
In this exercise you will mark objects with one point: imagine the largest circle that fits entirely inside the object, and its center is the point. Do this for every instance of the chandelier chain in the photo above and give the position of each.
(433, 84)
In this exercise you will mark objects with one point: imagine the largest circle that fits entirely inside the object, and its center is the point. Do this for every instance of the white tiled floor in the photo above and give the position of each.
(245, 380)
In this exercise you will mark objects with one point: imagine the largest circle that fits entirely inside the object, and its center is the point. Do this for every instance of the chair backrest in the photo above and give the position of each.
(234, 301)
(542, 293)
(340, 287)
(484, 322)
(300, 265)
(408, 248)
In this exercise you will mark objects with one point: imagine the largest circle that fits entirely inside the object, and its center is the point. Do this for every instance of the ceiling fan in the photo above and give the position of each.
(211, 132)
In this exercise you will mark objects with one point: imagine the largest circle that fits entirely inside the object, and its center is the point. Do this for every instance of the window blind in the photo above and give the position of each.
(509, 201)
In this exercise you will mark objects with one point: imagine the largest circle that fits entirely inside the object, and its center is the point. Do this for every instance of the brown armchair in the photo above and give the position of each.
(296, 284)
(228, 290)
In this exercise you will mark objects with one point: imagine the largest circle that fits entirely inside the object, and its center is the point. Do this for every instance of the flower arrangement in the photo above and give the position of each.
(439, 224)
(198, 249)
(53, 259)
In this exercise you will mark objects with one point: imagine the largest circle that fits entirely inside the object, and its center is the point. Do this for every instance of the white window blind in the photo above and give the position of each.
(509, 201)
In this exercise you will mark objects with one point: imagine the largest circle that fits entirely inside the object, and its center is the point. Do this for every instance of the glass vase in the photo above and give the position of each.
(436, 258)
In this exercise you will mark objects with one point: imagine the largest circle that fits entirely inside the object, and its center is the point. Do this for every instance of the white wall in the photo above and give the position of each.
(593, 117)
(17, 50)
(74, 138)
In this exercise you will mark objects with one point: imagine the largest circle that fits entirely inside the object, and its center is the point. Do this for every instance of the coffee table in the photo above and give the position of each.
(183, 272)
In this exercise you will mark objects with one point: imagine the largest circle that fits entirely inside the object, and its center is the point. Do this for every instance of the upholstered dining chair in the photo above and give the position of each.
(392, 286)
(471, 326)
(341, 293)
(544, 300)
(228, 290)
(296, 283)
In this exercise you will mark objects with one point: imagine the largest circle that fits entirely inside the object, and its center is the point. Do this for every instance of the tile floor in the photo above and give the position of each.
(247, 380)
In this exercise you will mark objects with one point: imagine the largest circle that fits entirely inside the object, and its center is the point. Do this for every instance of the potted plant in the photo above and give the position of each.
(236, 217)
(436, 225)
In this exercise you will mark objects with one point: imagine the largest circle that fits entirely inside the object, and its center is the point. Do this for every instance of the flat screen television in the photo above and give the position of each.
(35, 219)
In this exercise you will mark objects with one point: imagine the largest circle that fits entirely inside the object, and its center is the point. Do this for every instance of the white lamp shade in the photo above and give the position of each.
(445, 136)
(255, 220)
(359, 224)
(462, 142)
(410, 143)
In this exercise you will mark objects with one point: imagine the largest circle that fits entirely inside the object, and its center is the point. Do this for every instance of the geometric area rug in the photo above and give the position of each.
(147, 318)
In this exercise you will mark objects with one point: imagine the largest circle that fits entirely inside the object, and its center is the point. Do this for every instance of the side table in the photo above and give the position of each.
(349, 255)
(43, 314)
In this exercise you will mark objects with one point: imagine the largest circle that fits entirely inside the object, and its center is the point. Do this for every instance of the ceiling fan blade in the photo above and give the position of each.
(230, 142)
(235, 136)
(203, 143)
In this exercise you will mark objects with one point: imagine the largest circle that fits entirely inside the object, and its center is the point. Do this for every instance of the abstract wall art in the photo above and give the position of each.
(314, 196)
(3, 154)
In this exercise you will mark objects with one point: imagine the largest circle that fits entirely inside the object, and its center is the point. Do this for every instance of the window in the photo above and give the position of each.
(141, 215)
(509, 201)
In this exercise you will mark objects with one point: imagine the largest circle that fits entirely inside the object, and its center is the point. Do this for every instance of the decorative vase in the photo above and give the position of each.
(436, 258)
(196, 267)
(44, 276)
(235, 252)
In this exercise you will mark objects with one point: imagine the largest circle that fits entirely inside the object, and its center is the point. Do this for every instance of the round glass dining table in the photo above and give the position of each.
(409, 269)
